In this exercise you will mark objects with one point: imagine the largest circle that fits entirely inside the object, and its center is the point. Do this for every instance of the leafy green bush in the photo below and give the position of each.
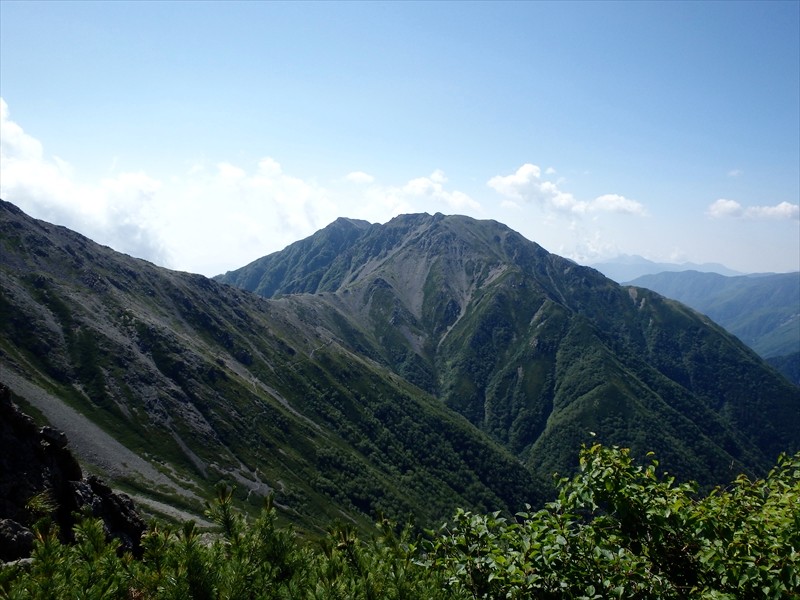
(617, 530)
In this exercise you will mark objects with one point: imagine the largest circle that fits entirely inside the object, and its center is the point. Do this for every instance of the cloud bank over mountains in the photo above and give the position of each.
(527, 185)
(210, 218)
(117, 211)
(217, 216)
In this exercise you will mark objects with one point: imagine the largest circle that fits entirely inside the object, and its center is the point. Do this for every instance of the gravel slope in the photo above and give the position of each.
(90, 444)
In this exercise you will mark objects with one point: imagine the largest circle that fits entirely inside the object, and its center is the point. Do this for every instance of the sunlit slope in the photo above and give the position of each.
(537, 351)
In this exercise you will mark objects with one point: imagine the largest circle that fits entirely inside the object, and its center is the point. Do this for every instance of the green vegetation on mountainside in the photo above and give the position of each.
(617, 529)
(405, 369)
(207, 383)
(537, 351)
(761, 310)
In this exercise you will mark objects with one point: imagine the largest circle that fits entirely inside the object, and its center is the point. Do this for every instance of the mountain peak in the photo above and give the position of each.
(475, 313)
(347, 222)
(412, 366)
(410, 250)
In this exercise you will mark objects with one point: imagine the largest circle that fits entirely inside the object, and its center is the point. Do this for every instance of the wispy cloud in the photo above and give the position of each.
(734, 172)
(527, 185)
(724, 208)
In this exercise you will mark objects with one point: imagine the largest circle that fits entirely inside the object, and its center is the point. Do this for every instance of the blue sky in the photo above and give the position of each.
(204, 135)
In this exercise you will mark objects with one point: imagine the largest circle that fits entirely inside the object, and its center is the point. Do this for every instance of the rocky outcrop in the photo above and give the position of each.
(39, 477)
(16, 541)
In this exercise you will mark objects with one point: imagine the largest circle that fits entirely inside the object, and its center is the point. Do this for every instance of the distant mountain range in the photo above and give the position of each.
(761, 310)
(627, 267)
(405, 368)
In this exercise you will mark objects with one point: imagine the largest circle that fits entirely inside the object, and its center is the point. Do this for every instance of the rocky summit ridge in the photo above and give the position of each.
(399, 369)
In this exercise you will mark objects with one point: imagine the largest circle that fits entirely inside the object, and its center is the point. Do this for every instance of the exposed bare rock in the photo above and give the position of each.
(16, 541)
(39, 477)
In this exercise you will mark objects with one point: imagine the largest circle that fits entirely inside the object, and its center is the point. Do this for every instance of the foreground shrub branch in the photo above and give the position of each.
(616, 530)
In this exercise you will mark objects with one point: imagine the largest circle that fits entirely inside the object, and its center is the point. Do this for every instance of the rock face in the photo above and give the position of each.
(39, 476)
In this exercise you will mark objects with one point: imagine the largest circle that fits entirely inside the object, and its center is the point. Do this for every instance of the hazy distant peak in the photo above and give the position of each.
(627, 267)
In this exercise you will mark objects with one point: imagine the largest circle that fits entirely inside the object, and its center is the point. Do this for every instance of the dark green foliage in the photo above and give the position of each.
(310, 265)
(617, 530)
(788, 365)
(620, 530)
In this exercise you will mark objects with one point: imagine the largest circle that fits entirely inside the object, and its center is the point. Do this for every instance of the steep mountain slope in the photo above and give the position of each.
(761, 310)
(305, 266)
(167, 382)
(788, 365)
(537, 351)
(405, 368)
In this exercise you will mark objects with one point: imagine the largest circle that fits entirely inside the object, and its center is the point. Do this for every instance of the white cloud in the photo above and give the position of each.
(269, 167)
(359, 177)
(433, 188)
(616, 204)
(784, 210)
(211, 218)
(724, 208)
(420, 186)
(14, 142)
(217, 219)
(114, 211)
(219, 215)
(731, 208)
(734, 172)
(518, 186)
(228, 171)
(268, 209)
(588, 247)
(438, 176)
(527, 185)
